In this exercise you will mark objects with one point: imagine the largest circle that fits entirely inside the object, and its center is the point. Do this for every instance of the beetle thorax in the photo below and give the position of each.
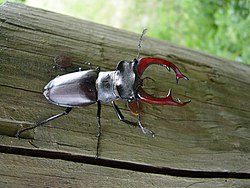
(105, 85)
(112, 85)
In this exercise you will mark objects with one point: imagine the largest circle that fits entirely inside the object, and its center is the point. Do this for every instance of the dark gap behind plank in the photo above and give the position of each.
(121, 164)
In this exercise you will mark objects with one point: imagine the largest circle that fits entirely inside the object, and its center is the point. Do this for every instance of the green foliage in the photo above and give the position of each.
(219, 27)
(16, 1)
(216, 26)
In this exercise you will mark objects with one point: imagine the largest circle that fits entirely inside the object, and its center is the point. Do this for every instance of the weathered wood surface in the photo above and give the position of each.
(212, 133)
(39, 172)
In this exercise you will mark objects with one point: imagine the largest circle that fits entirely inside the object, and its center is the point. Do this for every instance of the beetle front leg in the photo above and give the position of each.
(121, 118)
(68, 109)
(144, 130)
(117, 111)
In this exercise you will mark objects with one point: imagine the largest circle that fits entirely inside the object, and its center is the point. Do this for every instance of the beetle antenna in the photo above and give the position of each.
(140, 41)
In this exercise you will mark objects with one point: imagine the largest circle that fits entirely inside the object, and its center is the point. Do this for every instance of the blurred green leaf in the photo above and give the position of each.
(219, 27)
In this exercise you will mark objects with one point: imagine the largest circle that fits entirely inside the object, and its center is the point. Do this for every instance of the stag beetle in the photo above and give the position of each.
(83, 88)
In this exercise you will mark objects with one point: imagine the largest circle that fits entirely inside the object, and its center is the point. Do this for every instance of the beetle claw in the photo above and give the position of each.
(168, 100)
(167, 67)
(186, 78)
(178, 102)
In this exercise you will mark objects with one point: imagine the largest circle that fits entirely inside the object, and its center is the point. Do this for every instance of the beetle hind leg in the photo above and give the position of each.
(89, 65)
(41, 123)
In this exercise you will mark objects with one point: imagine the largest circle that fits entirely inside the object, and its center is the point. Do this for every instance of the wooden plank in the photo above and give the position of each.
(211, 133)
(24, 171)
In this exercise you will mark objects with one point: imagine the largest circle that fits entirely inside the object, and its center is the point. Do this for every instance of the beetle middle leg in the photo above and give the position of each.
(99, 128)
(41, 123)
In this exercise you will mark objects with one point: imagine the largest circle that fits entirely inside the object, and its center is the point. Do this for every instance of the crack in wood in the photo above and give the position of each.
(23, 89)
(118, 164)
(16, 121)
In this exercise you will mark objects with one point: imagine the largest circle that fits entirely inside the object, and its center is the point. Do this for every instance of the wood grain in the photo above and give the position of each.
(27, 171)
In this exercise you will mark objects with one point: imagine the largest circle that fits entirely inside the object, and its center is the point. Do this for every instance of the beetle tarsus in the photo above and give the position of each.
(89, 64)
(143, 129)
(185, 77)
(67, 110)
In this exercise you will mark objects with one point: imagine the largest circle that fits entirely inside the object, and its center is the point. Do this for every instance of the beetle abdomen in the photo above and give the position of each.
(72, 90)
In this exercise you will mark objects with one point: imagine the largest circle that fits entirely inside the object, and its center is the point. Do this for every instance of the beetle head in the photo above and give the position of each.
(125, 77)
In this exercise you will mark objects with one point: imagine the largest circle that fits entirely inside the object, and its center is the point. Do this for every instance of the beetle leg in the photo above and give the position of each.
(143, 129)
(62, 62)
(99, 128)
(120, 116)
(67, 110)
(117, 111)
(89, 64)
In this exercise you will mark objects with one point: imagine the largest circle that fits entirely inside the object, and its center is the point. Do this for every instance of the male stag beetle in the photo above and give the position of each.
(87, 87)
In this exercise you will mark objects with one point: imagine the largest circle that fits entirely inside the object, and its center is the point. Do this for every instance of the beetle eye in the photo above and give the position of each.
(131, 99)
